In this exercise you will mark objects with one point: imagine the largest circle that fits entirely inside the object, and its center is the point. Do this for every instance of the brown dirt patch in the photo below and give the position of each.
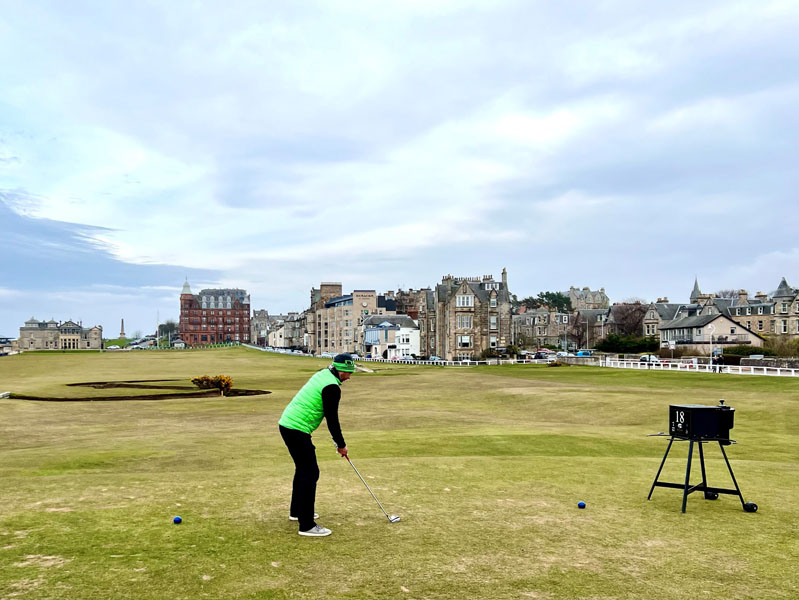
(176, 391)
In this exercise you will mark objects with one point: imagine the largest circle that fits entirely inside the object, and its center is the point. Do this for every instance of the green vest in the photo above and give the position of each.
(305, 411)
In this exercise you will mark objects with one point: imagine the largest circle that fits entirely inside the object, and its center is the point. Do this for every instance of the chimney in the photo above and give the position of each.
(743, 297)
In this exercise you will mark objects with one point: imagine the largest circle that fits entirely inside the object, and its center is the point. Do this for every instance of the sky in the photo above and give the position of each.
(272, 146)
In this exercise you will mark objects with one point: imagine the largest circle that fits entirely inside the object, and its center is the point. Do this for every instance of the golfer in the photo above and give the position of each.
(318, 399)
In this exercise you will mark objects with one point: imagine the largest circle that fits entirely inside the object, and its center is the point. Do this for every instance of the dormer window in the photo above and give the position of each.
(493, 303)
(464, 300)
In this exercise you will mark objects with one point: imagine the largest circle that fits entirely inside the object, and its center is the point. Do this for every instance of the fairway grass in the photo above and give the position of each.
(485, 465)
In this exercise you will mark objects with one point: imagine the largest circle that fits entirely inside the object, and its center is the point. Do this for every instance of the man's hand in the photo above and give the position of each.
(342, 451)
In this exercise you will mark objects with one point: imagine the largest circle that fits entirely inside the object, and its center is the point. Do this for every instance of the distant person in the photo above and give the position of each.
(318, 399)
(715, 363)
(720, 362)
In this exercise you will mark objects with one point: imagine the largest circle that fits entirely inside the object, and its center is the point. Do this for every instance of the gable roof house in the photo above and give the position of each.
(703, 332)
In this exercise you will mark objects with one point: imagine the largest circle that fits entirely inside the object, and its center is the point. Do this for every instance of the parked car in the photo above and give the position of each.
(435, 358)
(649, 358)
(327, 355)
(113, 347)
(354, 355)
(584, 353)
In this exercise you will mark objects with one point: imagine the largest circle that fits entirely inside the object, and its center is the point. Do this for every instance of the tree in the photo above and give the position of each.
(629, 318)
(167, 328)
(556, 300)
(579, 331)
(727, 294)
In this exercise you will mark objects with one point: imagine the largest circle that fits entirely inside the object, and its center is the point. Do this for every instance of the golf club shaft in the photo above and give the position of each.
(368, 488)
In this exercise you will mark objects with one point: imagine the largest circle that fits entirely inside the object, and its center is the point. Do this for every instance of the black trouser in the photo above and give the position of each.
(306, 474)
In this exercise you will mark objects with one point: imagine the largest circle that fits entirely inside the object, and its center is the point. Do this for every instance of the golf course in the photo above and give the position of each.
(485, 466)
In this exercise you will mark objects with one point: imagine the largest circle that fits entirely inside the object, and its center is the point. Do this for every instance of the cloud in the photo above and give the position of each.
(278, 147)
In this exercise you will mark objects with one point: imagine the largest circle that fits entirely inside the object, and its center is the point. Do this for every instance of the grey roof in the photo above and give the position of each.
(592, 313)
(396, 320)
(687, 322)
(783, 290)
(430, 297)
(723, 304)
(666, 311)
(445, 291)
(234, 293)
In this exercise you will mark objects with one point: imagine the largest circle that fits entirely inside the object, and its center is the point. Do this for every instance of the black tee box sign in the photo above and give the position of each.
(700, 422)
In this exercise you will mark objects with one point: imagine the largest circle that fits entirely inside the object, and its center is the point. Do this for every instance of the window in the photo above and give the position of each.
(748, 310)
(599, 318)
(464, 321)
(785, 307)
(760, 310)
(493, 303)
(462, 300)
(493, 322)
(732, 330)
(493, 341)
(698, 331)
(749, 324)
(760, 325)
(738, 311)
(784, 326)
(464, 341)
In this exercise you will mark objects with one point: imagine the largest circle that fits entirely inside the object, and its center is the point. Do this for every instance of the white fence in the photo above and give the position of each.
(691, 367)
(684, 366)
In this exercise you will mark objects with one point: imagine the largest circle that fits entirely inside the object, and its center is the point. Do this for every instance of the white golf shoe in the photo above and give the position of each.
(316, 531)
(315, 516)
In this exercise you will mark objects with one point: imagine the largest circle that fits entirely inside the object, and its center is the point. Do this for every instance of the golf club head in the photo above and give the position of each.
(394, 518)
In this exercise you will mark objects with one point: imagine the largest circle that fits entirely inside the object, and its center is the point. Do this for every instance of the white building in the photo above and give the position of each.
(390, 336)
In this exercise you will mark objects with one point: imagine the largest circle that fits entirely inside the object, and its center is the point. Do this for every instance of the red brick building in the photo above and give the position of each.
(214, 316)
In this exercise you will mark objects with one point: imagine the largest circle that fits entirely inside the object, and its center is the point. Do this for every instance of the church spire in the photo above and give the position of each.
(695, 293)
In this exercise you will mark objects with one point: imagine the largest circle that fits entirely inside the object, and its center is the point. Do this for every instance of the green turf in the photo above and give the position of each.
(485, 466)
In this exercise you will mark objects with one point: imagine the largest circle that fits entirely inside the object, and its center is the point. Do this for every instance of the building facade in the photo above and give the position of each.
(774, 313)
(335, 323)
(214, 316)
(52, 335)
(391, 337)
(585, 299)
(259, 327)
(465, 316)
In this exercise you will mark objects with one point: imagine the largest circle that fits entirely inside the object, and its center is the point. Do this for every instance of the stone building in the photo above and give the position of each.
(774, 313)
(51, 335)
(464, 316)
(214, 316)
(259, 327)
(585, 299)
(334, 323)
(539, 327)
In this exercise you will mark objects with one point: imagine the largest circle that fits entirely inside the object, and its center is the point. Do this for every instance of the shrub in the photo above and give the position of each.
(223, 383)
(746, 350)
(628, 344)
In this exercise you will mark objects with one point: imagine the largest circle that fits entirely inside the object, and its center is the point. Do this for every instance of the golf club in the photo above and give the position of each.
(391, 518)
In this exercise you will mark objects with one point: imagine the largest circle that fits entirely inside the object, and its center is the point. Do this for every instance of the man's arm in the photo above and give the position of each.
(331, 395)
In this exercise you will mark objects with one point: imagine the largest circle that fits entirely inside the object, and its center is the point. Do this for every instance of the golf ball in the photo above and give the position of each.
(177, 520)
(581, 504)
